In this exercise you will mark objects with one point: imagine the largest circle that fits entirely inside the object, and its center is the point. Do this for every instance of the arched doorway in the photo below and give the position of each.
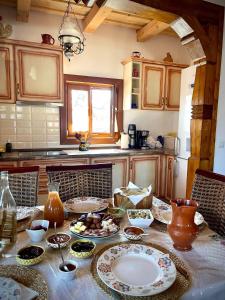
(206, 21)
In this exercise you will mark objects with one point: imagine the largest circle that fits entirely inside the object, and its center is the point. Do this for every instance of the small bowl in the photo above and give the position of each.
(68, 275)
(83, 253)
(140, 217)
(30, 255)
(64, 241)
(133, 233)
(36, 235)
(117, 213)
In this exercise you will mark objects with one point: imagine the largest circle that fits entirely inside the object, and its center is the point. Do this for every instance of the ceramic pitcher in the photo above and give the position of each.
(182, 229)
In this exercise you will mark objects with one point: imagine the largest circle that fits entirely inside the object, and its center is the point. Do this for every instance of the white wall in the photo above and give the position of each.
(104, 51)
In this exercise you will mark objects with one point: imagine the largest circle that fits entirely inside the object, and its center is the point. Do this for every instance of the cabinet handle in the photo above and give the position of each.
(166, 101)
(163, 101)
(18, 88)
(131, 166)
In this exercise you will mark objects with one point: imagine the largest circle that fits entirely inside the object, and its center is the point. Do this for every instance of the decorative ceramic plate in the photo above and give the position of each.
(23, 212)
(136, 270)
(82, 205)
(9, 289)
(163, 212)
(28, 277)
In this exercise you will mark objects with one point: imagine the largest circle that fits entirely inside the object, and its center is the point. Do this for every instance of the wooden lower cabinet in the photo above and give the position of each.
(169, 178)
(120, 169)
(43, 179)
(8, 164)
(146, 170)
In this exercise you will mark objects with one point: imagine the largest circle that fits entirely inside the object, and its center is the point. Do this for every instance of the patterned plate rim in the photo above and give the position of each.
(28, 212)
(31, 278)
(103, 205)
(156, 211)
(166, 266)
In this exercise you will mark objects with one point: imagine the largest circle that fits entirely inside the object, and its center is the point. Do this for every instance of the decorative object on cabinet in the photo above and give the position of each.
(71, 37)
(168, 58)
(47, 39)
(5, 30)
(136, 54)
(84, 145)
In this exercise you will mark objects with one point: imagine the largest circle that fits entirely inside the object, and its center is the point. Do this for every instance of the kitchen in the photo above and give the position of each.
(37, 126)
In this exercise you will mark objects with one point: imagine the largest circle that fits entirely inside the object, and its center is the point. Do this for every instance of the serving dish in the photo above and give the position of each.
(162, 212)
(38, 230)
(60, 238)
(85, 205)
(133, 233)
(83, 248)
(24, 212)
(94, 226)
(30, 255)
(136, 270)
(69, 272)
(140, 217)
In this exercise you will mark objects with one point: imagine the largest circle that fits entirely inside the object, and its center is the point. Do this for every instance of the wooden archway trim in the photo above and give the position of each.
(206, 20)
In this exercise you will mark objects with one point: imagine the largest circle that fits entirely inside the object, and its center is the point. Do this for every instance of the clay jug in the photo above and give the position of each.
(182, 229)
(47, 39)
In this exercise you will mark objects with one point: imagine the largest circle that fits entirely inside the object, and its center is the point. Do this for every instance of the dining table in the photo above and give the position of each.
(206, 262)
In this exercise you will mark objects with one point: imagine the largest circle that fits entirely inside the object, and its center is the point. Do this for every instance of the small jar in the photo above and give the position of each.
(83, 146)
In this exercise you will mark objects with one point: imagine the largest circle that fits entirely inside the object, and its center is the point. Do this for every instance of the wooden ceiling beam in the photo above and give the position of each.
(95, 17)
(151, 29)
(23, 10)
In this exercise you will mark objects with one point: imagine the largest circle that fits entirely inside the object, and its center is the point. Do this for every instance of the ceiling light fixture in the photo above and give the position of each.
(71, 37)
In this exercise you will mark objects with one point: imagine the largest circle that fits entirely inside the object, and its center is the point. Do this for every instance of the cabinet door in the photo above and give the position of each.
(7, 87)
(153, 82)
(173, 81)
(120, 169)
(39, 74)
(169, 181)
(43, 178)
(146, 170)
(8, 164)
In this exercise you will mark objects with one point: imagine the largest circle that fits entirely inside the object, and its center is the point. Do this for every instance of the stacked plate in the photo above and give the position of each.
(136, 270)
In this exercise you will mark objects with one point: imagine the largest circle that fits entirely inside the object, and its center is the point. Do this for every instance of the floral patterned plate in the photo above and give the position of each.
(162, 212)
(23, 212)
(82, 205)
(136, 270)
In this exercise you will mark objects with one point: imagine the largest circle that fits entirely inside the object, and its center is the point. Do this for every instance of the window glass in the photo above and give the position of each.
(80, 120)
(101, 110)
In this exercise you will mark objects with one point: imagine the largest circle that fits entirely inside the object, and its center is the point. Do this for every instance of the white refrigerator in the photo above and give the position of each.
(183, 140)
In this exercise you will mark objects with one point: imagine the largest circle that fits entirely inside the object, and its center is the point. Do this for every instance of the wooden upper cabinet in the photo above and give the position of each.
(39, 74)
(153, 83)
(173, 81)
(7, 87)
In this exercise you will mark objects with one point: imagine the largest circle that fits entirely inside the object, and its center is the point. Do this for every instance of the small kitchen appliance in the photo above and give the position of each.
(141, 140)
(132, 135)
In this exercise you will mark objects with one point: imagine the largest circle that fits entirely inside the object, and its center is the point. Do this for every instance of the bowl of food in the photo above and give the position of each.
(37, 230)
(60, 238)
(117, 213)
(140, 217)
(82, 248)
(133, 233)
(68, 269)
(30, 255)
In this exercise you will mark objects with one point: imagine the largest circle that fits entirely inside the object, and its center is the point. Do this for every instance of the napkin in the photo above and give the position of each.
(135, 199)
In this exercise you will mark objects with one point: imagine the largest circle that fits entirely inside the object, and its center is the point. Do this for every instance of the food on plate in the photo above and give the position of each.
(94, 224)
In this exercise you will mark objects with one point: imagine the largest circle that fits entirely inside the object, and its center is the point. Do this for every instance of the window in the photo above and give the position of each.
(93, 105)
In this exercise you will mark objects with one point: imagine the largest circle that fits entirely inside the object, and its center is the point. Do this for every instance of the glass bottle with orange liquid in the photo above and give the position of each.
(54, 211)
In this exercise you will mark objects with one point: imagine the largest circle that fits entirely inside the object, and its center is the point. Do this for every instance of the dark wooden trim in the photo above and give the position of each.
(78, 167)
(210, 174)
(203, 111)
(65, 136)
(20, 169)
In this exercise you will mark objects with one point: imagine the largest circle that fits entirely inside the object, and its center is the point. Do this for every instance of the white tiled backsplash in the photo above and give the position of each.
(29, 126)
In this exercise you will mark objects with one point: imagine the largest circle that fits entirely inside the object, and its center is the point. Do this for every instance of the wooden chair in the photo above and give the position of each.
(209, 191)
(23, 183)
(82, 180)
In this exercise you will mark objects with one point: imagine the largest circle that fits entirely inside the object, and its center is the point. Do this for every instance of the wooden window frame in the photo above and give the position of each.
(117, 112)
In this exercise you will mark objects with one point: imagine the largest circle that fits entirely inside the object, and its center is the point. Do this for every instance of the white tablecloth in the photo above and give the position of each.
(206, 261)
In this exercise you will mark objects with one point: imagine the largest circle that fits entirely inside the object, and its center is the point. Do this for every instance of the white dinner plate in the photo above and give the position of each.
(82, 205)
(162, 212)
(136, 270)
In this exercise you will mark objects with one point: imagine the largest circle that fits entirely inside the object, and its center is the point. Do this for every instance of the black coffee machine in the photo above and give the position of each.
(142, 139)
(132, 135)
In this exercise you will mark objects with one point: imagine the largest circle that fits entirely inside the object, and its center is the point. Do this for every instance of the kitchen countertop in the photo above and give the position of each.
(30, 155)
